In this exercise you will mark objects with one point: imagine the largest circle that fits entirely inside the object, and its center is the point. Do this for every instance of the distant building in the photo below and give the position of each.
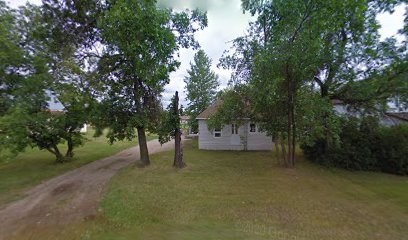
(184, 119)
(84, 128)
(390, 118)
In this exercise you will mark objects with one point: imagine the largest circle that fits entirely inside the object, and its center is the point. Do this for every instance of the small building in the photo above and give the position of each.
(247, 136)
(184, 119)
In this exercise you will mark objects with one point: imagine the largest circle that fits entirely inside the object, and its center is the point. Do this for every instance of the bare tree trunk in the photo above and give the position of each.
(276, 145)
(324, 92)
(291, 126)
(294, 139)
(178, 153)
(144, 152)
(70, 150)
(54, 150)
(283, 149)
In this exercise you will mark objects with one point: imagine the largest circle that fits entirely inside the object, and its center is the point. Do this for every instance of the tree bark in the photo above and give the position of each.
(178, 153)
(324, 93)
(144, 152)
(70, 150)
(58, 156)
(283, 149)
(276, 145)
(291, 123)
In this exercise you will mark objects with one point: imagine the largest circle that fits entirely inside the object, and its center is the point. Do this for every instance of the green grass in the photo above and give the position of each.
(247, 195)
(34, 166)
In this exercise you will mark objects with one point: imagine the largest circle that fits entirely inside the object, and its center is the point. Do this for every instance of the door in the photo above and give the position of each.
(235, 138)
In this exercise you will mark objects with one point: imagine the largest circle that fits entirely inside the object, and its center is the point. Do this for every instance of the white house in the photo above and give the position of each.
(388, 119)
(84, 129)
(231, 136)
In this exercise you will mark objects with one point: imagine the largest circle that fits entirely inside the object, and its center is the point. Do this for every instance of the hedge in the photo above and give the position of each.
(364, 145)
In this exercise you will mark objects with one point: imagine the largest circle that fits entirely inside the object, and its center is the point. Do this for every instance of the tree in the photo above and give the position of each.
(283, 54)
(24, 80)
(170, 128)
(139, 44)
(283, 42)
(30, 77)
(12, 59)
(201, 87)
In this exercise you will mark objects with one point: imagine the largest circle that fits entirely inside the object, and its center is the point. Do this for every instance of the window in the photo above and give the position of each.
(217, 132)
(234, 129)
(252, 127)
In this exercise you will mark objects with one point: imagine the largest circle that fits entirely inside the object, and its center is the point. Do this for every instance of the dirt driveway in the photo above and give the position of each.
(68, 198)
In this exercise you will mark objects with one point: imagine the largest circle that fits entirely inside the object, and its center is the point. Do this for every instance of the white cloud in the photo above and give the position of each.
(391, 23)
(17, 3)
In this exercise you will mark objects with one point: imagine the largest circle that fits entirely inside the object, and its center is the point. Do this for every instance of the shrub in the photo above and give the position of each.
(364, 145)
(392, 154)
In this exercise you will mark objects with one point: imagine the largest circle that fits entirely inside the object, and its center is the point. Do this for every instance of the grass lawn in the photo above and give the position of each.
(247, 195)
(33, 166)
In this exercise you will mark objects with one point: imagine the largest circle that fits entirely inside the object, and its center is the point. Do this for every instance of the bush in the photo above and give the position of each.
(392, 155)
(364, 145)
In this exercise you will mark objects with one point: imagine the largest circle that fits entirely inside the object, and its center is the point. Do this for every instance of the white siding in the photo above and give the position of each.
(255, 141)
(259, 141)
(389, 121)
(206, 139)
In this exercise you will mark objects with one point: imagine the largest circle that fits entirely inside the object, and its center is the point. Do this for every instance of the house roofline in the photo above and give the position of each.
(394, 115)
(209, 118)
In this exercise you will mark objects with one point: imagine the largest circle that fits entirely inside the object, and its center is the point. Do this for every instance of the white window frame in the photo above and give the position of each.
(217, 130)
(234, 129)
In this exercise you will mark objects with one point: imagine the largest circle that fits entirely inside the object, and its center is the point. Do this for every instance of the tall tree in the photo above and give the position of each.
(12, 58)
(140, 41)
(285, 35)
(25, 81)
(170, 128)
(281, 53)
(201, 87)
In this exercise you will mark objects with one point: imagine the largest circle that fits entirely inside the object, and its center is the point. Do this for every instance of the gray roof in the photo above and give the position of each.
(212, 109)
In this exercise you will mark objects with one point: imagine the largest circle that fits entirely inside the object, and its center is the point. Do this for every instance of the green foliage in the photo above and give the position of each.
(364, 145)
(35, 72)
(233, 107)
(393, 153)
(170, 121)
(294, 51)
(24, 73)
(201, 87)
(140, 42)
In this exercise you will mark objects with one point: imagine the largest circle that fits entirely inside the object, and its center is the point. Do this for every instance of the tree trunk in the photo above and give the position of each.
(291, 125)
(283, 149)
(178, 153)
(144, 152)
(58, 156)
(324, 92)
(70, 150)
(276, 145)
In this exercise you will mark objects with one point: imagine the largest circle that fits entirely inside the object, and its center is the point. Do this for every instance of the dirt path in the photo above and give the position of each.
(67, 198)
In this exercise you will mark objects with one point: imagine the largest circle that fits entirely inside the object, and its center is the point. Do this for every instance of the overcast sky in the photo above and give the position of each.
(226, 21)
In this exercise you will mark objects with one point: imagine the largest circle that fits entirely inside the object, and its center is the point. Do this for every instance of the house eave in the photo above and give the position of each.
(208, 118)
